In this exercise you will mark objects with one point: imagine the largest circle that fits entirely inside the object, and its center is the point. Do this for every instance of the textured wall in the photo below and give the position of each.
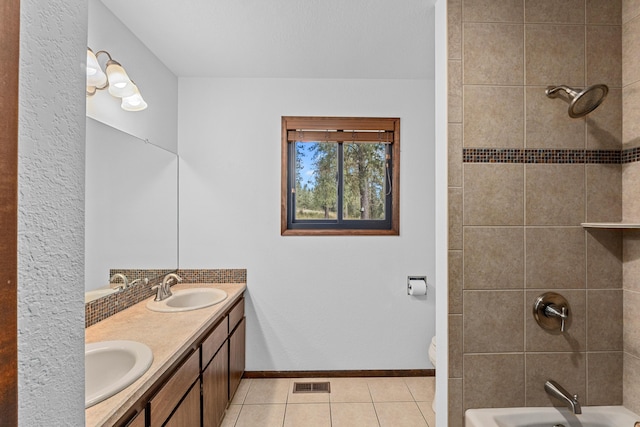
(51, 209)
(631, 201)
(515, 219)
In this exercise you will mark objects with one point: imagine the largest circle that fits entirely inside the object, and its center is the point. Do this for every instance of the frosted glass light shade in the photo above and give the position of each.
(133, 102)
(120, 84)
(95, 76)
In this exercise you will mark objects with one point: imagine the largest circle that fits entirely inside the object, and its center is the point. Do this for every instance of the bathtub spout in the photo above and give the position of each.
(556, 390)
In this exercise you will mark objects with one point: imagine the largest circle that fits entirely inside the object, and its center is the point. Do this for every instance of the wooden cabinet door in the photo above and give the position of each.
(215, 380)
(138, 420)
(236, 356)
(187, 414)
(168, 397)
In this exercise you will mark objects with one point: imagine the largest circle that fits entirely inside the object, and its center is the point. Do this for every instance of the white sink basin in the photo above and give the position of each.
(111, 366)
(188, 299)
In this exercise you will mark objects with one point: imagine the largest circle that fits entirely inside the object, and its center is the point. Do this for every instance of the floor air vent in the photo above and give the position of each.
(322, 387)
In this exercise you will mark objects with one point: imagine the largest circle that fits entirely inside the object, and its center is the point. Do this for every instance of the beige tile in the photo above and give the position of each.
(493, 380)
(493, 54)
(604, 193)
(493, 258)
(422, 388)
(493, 321)
(604, 125)
(630, 9)
(549, 125)
(553, 11)
(456, 408)
(493, 194)
(389, 389)
(604, 259)
(455, 346)
(400, 414)
(308, 397)
(604, 320)
(454, 29)
(555, 258)
(604, 379)
(604, 12)
(567, 369)
(555, 55)
(427, 413)
(455, 218)
(231, 416)
(493, 11)
(486, 118)
(631, 333)
(349, 390)
(631, 383)
(308, 414)
(261, 415)
(574, 337)
(241, 392)
(455, 91)
(455, 282)
(604, 55)
(555, 194)
(353, 415)
(630, 50)
(631, 192)
(631, 108)
(262, 391)
(631, 260)
(455, 155)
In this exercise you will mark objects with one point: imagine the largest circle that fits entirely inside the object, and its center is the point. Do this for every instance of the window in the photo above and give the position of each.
(340, 176)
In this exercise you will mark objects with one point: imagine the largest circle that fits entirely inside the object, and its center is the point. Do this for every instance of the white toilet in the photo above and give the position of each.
(432, 358)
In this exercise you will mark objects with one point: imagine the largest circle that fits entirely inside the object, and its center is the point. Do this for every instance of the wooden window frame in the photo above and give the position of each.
(315, 128)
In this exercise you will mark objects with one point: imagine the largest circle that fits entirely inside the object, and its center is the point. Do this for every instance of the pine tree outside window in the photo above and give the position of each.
(340, 176)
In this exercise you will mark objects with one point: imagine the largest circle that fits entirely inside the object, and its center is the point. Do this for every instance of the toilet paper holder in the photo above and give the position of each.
(410, 278)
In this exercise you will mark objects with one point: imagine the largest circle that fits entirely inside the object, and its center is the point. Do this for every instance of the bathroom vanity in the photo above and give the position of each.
(198, 361)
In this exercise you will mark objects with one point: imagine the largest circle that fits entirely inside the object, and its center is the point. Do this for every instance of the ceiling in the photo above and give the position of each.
(359, 39)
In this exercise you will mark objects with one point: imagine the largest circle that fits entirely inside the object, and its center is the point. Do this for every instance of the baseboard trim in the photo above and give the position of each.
(342, 374)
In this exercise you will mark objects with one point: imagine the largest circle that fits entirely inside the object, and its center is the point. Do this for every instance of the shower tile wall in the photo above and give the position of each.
(631, 201)
(514, 216)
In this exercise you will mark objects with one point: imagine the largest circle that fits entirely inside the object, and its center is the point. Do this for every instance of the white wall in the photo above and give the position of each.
(51, 209)
(157, 84)
(314, 303)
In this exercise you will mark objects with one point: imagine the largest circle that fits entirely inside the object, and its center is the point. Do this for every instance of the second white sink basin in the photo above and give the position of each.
(111, 366)
(188, 299)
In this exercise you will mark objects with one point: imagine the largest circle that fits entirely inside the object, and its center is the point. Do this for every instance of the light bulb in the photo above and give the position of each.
(120, 84)
(95, 76)
(133, 102)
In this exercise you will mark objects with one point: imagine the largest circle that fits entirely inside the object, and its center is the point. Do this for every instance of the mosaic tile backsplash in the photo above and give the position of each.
(517, 155)
(102, 308)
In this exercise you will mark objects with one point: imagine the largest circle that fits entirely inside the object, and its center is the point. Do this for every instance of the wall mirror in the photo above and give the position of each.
(131, 206)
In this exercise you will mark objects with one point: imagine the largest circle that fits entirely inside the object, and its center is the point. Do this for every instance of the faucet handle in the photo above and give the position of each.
(551, 311)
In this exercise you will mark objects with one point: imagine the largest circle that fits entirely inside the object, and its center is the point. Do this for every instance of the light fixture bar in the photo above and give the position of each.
(115, 79)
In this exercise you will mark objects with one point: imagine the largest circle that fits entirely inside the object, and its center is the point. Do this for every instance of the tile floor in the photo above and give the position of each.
(353, 402)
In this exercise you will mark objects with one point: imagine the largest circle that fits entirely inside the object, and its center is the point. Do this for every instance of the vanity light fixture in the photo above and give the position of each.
(115, 79)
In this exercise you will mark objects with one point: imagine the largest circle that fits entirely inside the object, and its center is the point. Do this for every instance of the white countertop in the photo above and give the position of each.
(168, 335)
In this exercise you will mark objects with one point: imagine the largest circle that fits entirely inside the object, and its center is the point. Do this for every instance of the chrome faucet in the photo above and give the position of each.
(164, 289)
(125, 281)
(556, 390)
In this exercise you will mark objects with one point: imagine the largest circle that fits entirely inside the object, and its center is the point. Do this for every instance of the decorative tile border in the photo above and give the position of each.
(100, 309)
(528, 155)
(630, 155)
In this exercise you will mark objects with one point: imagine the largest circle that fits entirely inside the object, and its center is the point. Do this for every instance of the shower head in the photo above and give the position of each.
(581, 102)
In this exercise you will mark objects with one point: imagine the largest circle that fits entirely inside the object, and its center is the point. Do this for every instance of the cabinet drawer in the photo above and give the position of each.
(236, 314)
(215, 339)
(163, 403)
